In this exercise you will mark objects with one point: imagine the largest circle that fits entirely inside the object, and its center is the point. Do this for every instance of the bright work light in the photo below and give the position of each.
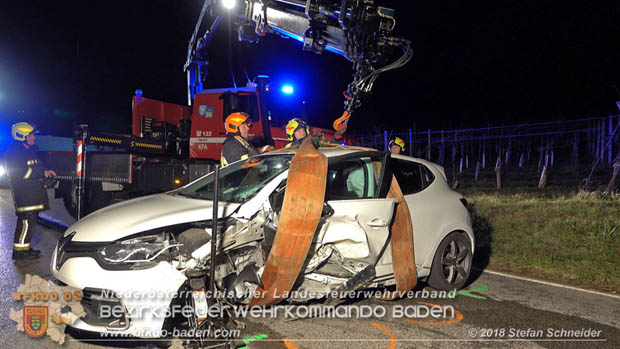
(229, 4)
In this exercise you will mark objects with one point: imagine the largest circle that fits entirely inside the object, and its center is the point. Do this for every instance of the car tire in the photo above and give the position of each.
(452, 262)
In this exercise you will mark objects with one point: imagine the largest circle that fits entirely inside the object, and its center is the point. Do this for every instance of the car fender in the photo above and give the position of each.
(445, 230)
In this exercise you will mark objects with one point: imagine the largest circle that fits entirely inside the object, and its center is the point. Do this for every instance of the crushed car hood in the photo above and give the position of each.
(142, 214)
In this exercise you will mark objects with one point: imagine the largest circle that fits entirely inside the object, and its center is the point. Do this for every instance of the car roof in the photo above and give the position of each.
(420, 160)
(329, 150)
(334, 150)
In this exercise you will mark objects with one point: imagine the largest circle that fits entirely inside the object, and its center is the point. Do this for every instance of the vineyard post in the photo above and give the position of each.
(610, 144)
(612, 181)
(498, 172)
(385, 141)
(541, 150)
(410, 143)
(575, 151)
(443, 147)
(552, 154)
(428, 149)
(543, 176)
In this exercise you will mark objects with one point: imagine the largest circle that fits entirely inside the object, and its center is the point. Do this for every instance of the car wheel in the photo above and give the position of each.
(452, 263)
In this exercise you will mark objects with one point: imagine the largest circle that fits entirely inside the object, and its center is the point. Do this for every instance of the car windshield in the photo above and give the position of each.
(240, 181)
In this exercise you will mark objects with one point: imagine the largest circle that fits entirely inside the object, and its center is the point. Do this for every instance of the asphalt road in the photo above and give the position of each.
(494, 311)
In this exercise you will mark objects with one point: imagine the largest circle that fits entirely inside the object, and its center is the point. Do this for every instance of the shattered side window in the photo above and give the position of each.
(352, 179)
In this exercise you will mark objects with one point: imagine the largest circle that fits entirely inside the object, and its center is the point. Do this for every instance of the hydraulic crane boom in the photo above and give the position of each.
(359, 30)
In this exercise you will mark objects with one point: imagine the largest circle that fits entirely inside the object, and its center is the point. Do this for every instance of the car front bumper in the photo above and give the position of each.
(143, 295)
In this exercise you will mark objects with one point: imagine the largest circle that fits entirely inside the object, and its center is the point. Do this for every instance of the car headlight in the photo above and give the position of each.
(2, 171)
(135, 253)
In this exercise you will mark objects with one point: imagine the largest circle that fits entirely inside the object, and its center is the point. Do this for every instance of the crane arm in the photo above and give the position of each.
(359, 30)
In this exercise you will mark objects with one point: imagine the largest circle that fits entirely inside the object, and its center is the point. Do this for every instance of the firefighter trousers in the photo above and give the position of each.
(24, 230)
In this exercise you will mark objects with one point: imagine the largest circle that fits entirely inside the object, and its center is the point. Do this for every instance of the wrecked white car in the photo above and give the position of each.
(160, 245)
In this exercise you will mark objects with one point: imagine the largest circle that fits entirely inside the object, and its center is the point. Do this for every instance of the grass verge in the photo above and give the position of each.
(556, 235)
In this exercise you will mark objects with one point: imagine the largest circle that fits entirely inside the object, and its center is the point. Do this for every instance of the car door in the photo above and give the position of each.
(356, 189)
(415, 182)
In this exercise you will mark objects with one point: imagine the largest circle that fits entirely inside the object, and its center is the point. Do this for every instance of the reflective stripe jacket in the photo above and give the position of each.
(24, 169)
(236, 148)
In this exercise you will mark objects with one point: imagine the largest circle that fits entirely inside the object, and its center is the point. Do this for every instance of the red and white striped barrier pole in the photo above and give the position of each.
(80, 169)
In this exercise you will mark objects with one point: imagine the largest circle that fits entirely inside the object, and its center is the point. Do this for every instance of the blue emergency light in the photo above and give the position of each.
(287, 89)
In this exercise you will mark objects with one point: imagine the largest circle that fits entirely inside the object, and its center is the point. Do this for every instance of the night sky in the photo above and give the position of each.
(475, 63)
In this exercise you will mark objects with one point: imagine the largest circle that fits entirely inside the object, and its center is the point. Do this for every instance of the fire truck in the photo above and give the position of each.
(174, 144)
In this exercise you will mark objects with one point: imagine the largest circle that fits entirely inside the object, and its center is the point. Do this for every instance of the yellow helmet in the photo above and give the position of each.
(20, 130)
(234, 120)
(397, 141)
(294, 125)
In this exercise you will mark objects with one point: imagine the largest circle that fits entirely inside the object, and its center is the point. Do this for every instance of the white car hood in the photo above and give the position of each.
(142, 214)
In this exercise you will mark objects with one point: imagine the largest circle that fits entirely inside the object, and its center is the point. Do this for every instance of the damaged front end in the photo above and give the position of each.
(283, 239)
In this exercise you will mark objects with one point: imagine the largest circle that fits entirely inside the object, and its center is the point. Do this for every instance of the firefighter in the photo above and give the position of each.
(297, 130)
(396, 145)
(236, 146)
(25, 171)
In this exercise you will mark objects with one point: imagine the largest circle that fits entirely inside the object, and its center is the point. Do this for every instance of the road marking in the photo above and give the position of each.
(386, 331)
(550, 283)
(469, 292)
(458, 318)
(289, 345)
(252, 339)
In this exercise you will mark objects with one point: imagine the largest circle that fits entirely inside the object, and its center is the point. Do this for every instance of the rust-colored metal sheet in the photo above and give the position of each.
(299, 219)
(403, 258)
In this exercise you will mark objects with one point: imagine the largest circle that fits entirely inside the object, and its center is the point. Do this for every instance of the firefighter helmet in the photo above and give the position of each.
(20, 130)
(294, 125)
(397, 141)
(234, 120)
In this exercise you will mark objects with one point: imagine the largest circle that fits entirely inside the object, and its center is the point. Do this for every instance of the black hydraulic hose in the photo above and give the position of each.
(214, 231)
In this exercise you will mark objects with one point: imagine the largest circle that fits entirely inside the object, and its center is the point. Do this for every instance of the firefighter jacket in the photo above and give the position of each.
(24, 170)
(297, 142)
(236, 148)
